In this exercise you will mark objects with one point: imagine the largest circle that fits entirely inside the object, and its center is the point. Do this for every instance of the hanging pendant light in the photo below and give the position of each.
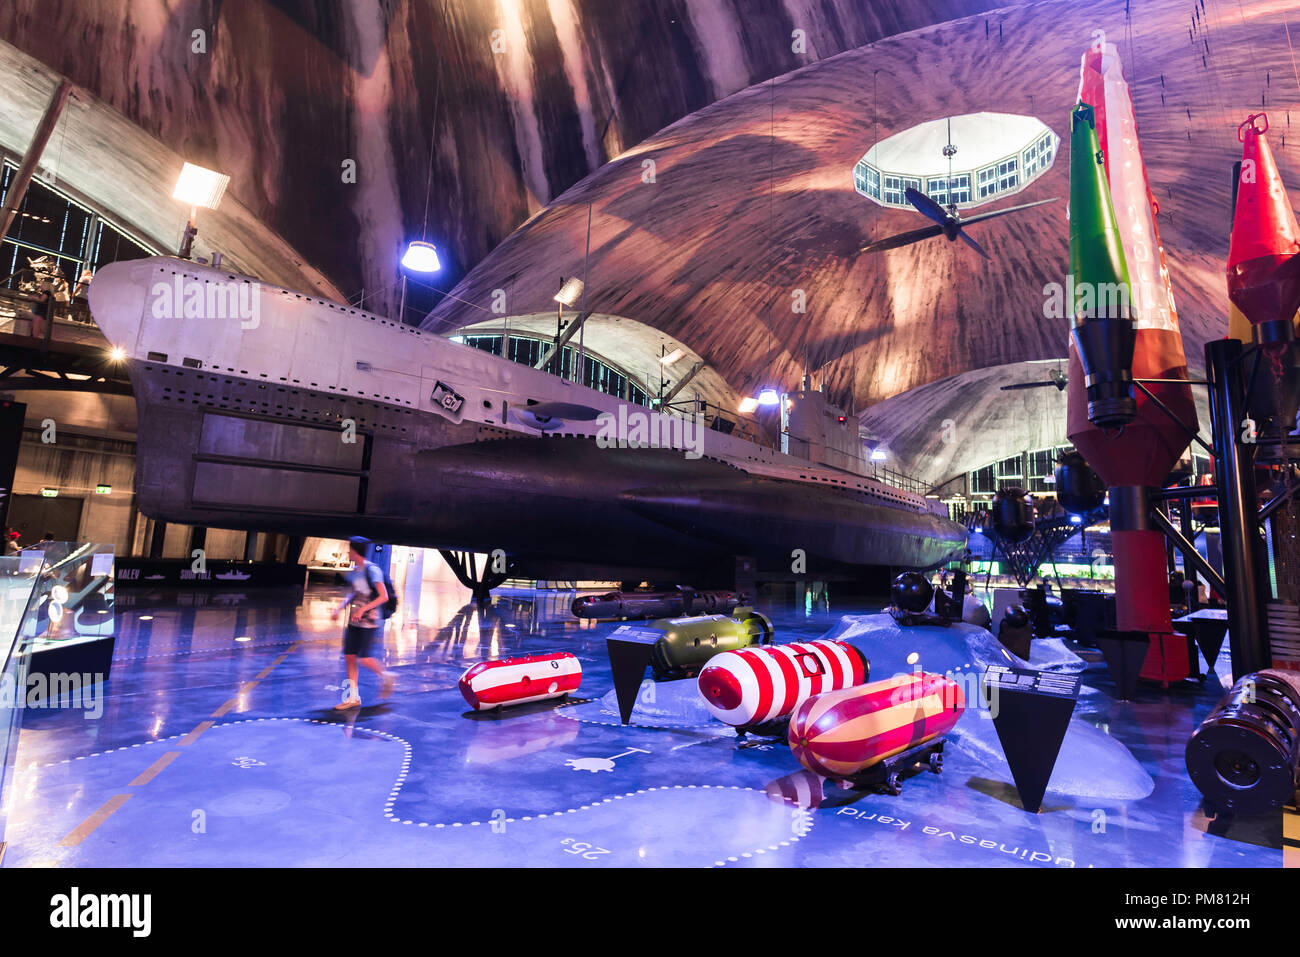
(421, 256)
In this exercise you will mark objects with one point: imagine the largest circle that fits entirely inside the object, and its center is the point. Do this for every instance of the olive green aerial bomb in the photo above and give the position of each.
(688, 643)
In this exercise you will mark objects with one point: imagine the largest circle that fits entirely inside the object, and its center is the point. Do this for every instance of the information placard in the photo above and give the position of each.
(1031, 711)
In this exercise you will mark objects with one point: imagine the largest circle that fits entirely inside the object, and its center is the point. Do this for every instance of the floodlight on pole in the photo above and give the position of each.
(769, 396)
(200, 188)
(570, 293)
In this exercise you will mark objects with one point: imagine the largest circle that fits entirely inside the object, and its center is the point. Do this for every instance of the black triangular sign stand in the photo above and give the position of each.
(1209, 634)
(629, 654)
(1031, 712)
(1124, 652)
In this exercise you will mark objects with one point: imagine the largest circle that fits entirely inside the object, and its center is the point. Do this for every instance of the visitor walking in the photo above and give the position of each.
(365, 600)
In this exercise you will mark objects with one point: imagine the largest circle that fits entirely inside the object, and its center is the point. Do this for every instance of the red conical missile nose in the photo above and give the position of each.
(721, 688)
(1265, 234)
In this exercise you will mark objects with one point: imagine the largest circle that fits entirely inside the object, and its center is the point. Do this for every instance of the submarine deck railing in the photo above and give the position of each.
(846, 462)
(717, 418)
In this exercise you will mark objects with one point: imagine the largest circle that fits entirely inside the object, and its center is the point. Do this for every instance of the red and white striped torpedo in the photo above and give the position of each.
(527, 678)
(840, 733)
(752, 686)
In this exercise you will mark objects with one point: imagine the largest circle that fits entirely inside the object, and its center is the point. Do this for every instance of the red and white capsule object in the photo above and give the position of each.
(521, 680)
(1264, 253)
(841, 733)
(753, 686)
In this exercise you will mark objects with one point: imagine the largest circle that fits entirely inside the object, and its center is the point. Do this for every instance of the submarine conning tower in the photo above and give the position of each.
(815, 429)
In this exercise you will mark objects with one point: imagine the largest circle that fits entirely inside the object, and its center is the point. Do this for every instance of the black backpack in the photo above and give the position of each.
(388, 608)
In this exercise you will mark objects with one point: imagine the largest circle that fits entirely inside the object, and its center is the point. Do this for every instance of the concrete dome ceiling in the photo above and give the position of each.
(529, 96)
(705, 254)
(111, 164)
(941, 431)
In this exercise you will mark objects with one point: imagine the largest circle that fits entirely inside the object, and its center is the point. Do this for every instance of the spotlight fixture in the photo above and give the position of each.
(769, 396)
(421, 256)
(570, 293)
(877, 449)
(200, 188)
(672, 357)
(748, 404)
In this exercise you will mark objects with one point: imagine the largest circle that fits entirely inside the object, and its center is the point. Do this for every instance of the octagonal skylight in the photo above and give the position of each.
(997, 154)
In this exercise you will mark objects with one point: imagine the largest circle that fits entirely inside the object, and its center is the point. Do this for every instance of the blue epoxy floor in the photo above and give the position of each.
(278, 778)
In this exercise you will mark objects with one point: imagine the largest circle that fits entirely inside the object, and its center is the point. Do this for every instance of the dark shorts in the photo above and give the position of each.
(357, 641)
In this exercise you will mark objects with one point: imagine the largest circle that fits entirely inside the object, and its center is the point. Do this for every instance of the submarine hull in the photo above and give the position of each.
(318, 419)
(553, 503)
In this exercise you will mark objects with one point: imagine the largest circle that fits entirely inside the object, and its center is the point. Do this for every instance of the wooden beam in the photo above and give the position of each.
(23, 178)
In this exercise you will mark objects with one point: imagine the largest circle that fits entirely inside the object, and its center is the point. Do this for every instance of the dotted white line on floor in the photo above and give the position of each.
(405, 770)
(640, 727)
(203, 649)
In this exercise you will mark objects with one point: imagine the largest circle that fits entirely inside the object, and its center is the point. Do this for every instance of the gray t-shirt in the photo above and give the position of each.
(364, 581)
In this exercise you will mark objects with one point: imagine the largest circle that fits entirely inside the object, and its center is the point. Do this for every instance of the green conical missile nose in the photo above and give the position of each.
(1101, 283)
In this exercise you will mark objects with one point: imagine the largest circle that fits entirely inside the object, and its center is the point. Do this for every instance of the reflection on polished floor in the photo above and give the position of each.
(218, 745)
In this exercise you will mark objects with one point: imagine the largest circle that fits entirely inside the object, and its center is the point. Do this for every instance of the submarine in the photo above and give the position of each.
(265, 409)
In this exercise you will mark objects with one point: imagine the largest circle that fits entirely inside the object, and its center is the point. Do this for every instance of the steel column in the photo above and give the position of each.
(1238, 526)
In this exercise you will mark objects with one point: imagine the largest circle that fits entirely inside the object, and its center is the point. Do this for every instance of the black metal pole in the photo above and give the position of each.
(1192, 559)
(1238, 529)
(1189, 571)
(1183, 491)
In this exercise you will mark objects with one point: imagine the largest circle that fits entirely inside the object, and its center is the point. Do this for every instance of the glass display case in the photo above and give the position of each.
(70, 622)
(19, 578)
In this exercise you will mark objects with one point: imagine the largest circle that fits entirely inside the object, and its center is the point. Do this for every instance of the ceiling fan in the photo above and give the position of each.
(948, 222)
